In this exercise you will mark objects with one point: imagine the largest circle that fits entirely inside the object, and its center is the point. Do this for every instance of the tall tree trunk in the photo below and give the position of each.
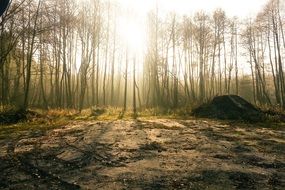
(29, 60)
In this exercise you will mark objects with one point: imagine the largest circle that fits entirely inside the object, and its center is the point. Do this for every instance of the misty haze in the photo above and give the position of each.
(142, 94)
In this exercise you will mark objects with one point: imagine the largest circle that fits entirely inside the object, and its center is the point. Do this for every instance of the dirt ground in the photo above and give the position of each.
(145, 154)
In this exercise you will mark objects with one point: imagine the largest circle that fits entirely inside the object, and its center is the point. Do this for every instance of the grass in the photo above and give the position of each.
(55, 118)
(44, 121)
(19, 129)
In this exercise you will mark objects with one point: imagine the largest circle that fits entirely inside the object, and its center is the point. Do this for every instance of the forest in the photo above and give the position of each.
(76, 54)
(121, 94)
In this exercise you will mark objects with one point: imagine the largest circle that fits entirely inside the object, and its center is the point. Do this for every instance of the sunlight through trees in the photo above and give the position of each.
(78, 54)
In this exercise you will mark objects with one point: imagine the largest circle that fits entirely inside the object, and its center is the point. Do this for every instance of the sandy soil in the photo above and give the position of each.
(145, 154)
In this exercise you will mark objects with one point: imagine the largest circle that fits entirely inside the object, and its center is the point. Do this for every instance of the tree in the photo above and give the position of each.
(31, 44)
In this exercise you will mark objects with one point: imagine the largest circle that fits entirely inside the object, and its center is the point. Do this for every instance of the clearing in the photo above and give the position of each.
(144, 154)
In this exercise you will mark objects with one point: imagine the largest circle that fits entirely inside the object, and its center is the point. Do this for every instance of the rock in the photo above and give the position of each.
(229, 107)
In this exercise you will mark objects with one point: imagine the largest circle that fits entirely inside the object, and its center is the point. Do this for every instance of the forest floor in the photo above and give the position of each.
(147, 153)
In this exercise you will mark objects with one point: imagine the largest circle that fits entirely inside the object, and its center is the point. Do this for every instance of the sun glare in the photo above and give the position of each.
(132, 34)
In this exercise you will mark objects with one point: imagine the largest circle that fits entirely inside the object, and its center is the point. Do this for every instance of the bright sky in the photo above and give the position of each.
(240, 8)
(132, 28)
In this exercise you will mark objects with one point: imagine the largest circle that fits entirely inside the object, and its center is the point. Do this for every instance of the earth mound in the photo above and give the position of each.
(15, 116)
(229, 107)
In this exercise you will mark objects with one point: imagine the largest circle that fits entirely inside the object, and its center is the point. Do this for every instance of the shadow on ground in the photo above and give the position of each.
(145, 154)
